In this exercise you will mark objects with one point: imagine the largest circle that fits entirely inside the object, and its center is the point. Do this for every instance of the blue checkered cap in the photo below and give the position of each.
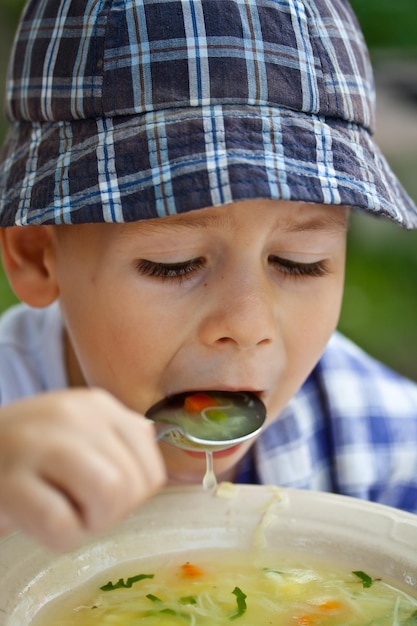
(124, 110)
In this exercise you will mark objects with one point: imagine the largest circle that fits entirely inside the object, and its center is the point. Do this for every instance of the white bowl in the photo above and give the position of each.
(378, 539)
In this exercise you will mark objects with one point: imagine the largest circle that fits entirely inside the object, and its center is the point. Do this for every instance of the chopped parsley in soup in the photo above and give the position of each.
(219, 588)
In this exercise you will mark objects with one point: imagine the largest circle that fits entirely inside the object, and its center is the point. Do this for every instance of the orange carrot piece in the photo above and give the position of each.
(304, 620)
(191, 571)
(330, 605)
(198, 402)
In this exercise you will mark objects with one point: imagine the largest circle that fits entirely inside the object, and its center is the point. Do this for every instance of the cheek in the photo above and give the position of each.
(317, 322)
(314, 318)
(306, 330)
(121, 344)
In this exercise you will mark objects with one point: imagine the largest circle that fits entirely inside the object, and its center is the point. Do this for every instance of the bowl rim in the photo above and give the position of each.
(370, 536)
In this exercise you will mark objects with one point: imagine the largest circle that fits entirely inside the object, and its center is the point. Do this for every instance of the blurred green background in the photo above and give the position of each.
(380, 304)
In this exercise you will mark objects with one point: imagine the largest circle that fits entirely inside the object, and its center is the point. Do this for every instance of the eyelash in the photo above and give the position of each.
(299, 270)
(180, 271)
(170, 271)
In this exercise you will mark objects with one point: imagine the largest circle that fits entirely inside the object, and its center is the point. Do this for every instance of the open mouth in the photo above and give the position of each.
(215, 421)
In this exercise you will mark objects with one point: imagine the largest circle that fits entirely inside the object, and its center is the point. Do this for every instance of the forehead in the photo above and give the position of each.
(288, 217)
(275, 215)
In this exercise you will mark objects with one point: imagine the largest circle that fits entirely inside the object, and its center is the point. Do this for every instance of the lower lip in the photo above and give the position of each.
(217, 455)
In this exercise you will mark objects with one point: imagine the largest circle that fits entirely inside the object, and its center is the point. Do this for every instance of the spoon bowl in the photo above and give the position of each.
(208, 420)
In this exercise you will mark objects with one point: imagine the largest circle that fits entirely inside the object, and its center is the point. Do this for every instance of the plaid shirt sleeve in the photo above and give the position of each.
(351, 429)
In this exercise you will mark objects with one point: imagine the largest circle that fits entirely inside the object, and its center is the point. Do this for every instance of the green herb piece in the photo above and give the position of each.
(121, 584)
(188, 600)
(153, 598)
(410, 621)
(167, 611)
(366, 580)
(241, 603)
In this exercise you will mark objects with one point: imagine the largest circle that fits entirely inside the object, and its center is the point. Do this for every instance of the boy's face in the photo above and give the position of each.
(242, 297)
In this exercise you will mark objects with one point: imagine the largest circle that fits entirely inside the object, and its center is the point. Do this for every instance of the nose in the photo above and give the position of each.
(241, 313)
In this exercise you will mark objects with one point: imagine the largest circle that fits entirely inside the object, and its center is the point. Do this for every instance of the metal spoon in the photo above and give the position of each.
(208, 420)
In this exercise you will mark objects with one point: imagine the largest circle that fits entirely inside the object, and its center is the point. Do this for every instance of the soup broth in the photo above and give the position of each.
(213, 416)
(223, 588)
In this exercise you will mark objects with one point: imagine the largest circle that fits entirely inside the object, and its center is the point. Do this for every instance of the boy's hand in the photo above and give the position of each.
(74, 461)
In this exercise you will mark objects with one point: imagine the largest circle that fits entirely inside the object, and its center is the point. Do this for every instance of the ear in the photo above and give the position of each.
(28, 260)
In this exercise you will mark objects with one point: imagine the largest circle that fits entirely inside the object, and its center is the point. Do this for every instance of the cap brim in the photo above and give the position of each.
(151, 165)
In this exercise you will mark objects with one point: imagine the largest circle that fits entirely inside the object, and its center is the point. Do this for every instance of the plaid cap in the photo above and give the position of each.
(124, 110)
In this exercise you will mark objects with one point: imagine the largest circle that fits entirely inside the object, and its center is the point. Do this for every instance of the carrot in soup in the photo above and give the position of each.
(197, 402)
(191, 571)
(304, 620)
(333, 606)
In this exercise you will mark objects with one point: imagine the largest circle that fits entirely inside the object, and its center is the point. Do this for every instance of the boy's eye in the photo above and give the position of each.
(297, 269)
(169, 270)
(182, 269)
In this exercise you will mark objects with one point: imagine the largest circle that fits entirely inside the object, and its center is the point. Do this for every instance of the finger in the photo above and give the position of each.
(40, 510)
(138, 434)
(135, 433)
(105, 482)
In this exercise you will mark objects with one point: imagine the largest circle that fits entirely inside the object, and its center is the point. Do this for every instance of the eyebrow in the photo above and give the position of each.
(185, 220)
(330, 223)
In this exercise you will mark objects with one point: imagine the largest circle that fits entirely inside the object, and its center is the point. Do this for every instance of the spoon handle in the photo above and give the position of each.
(164, 429)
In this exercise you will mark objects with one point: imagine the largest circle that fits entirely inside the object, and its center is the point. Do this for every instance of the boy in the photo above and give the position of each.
(175, 191)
